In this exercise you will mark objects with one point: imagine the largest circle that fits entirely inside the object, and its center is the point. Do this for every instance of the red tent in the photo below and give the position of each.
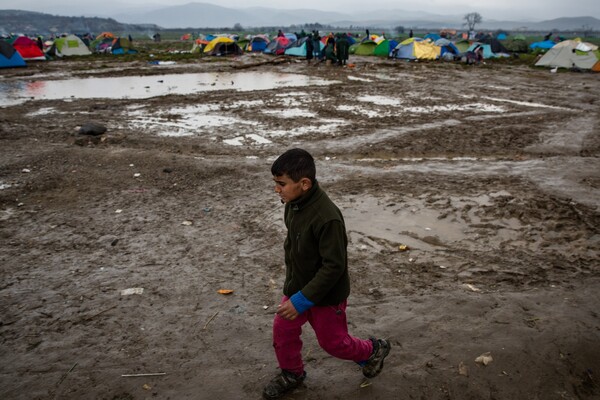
(28, 49)
(278, 45)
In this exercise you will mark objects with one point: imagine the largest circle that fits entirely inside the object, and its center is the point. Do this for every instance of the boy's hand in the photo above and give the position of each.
(287, 311)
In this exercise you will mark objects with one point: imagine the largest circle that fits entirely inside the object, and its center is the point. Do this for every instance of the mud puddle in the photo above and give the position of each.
(142, 87)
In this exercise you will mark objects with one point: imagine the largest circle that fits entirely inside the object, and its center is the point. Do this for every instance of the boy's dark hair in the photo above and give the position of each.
(295, 163)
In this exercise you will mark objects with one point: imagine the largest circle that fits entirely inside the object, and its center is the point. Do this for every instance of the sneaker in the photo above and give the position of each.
(374, 365)
(285, 382)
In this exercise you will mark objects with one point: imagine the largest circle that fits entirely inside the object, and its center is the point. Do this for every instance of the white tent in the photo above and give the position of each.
(570, 54)
(69, 45)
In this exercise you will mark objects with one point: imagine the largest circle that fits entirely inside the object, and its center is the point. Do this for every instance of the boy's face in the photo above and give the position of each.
(288, 190)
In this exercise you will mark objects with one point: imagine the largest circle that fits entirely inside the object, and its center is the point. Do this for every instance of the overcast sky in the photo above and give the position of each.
(496, 9)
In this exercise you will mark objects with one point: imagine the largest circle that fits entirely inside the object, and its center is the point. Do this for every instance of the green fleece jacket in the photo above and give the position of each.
(315, 249)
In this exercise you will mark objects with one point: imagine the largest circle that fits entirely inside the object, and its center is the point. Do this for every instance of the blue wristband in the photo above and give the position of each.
(301, 303)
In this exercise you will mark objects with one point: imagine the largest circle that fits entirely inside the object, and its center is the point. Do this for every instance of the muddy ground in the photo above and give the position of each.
(489, 174)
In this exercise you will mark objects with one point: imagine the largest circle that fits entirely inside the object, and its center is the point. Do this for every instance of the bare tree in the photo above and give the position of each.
(472, 19)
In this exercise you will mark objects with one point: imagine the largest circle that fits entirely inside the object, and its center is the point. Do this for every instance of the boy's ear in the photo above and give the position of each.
(306, 184)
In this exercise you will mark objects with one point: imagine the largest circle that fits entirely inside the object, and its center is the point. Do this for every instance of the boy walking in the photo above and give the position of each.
(317, 284)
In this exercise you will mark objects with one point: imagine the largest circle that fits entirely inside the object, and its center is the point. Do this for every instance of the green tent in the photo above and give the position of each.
(462, 45)
(365, 48)
(382, 49)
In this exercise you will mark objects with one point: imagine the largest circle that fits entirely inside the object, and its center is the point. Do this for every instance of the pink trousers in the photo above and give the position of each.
(331, 329)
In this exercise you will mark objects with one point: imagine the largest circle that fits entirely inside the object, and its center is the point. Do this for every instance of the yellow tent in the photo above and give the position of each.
(426, 50)
(211, 45)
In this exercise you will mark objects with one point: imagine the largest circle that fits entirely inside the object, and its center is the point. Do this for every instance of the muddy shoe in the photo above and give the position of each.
(282, 384)
(374, 365)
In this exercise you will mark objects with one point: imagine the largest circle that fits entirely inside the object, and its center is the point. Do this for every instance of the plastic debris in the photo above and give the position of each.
(463, 369)
(485, 358)
(265, 307)
(130, 291)
(26, 170)
(365, 383)
(187, 223)
(225, 291)
(119, 211)
(471, 287)
(162, 62)
(403, 247)
(137, 175)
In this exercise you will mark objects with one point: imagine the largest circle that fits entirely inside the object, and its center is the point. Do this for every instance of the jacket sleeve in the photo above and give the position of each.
(332, 249)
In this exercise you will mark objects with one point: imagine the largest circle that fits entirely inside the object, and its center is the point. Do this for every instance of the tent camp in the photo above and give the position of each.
(68, 46)
(278, 45)
(28, 49)
(9, 57)
(298, 48)
(416, 49)
(570, 54)
(222, 46)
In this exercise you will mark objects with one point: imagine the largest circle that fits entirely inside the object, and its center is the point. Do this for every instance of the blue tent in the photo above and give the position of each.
(298, 48)
(291, 36)
(501, 36)
(487, 50)
(545, 45)
(258, 44)
(9, 57)
(432, 36)
(405, 49)
(447, 47)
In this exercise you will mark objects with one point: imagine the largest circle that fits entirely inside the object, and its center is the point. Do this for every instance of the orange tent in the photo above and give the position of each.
(106, 35)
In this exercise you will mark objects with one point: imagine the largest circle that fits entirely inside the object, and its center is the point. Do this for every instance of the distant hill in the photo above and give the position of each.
(28, 22)
(569, 23)
(198, 15)
(202, 15)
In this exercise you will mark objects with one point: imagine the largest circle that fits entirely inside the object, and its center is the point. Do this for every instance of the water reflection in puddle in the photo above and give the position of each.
(421, 224)
(142, 87)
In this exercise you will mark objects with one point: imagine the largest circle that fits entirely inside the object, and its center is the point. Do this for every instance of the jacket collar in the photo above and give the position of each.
(309, 197)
